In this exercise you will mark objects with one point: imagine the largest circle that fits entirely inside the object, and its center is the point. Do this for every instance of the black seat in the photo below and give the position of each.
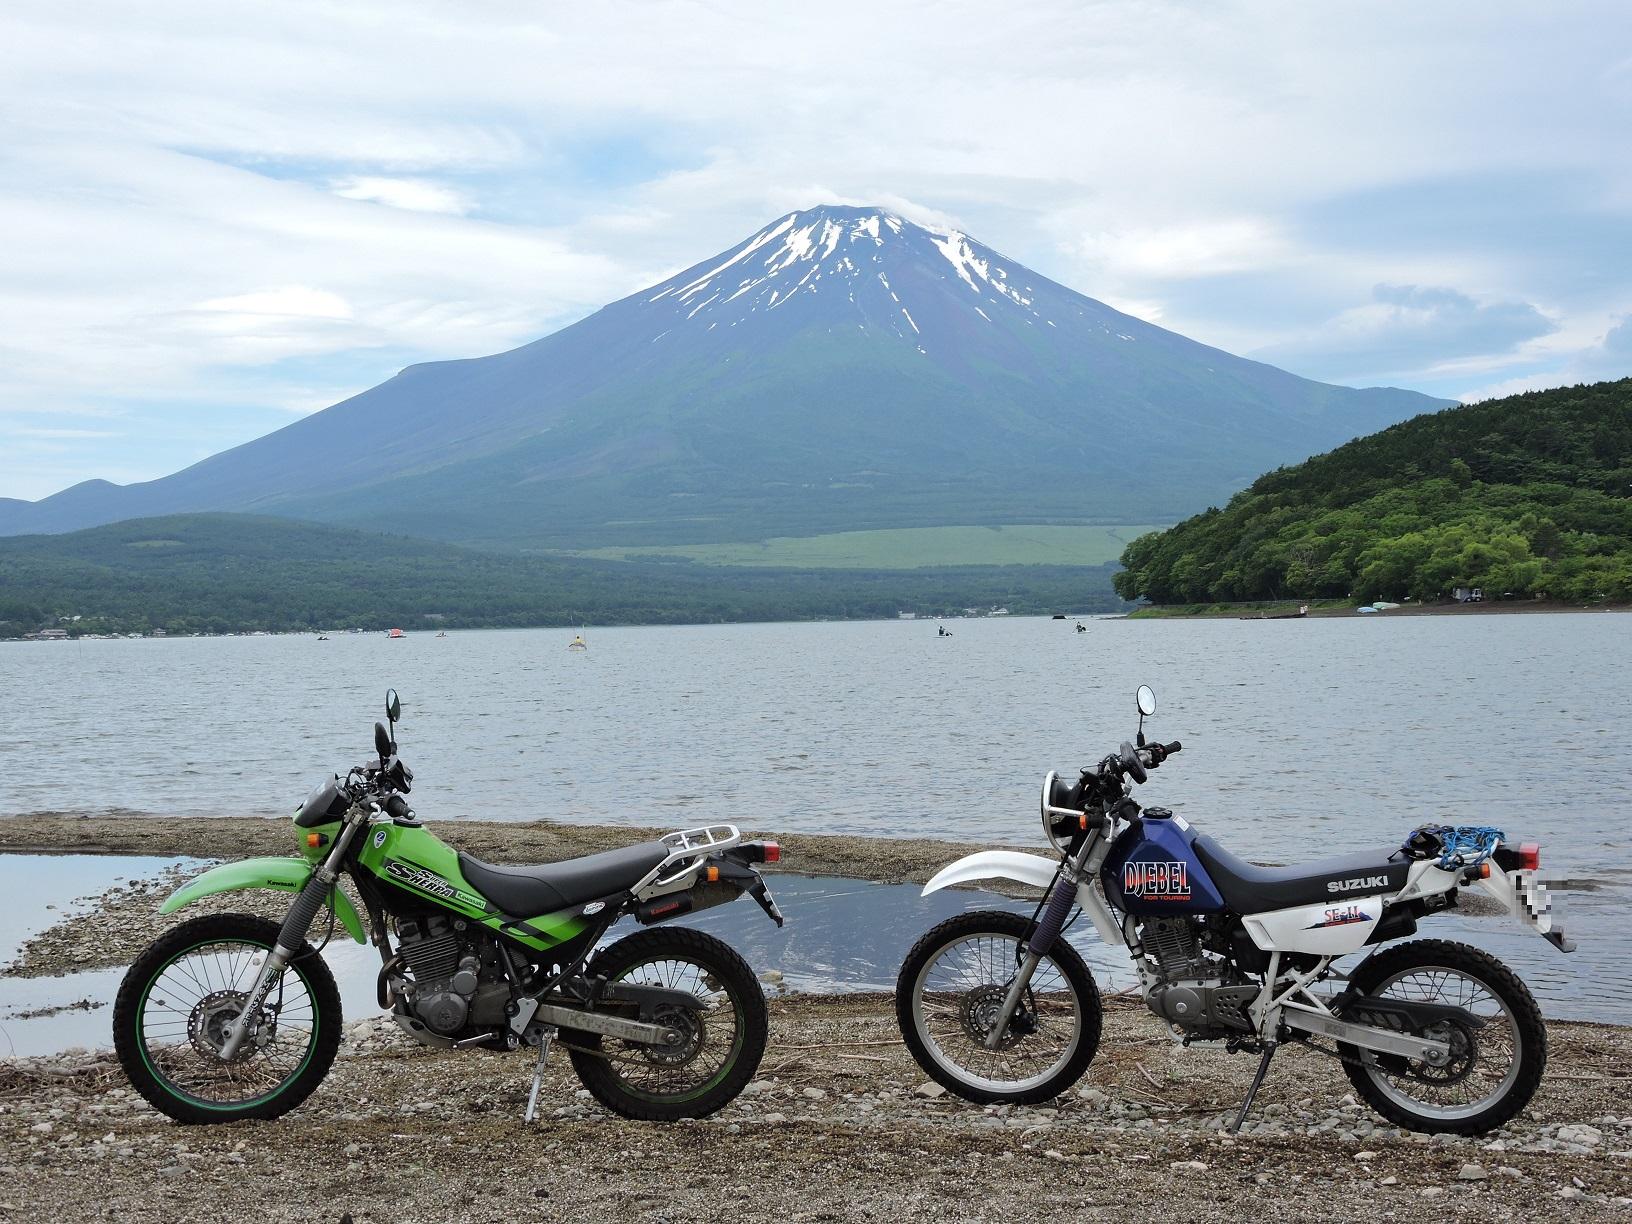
(526, 892)
(1250, 889)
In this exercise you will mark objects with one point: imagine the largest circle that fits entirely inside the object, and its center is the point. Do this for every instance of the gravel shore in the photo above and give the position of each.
(884, 860)
(840, 1125)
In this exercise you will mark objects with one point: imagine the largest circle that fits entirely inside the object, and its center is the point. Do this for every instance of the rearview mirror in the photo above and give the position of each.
(393, 707)
(1147, 700)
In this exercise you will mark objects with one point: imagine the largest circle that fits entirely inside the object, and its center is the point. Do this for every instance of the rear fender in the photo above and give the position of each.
(1527, 898)
(279, 874)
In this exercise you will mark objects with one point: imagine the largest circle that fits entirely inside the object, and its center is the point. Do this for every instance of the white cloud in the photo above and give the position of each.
(464, 185)
(291, 301)
(415, 195)
(1207, 248)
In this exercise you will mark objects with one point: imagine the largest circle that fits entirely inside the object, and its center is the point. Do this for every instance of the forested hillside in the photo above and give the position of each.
(1529, 495)
(213, 573)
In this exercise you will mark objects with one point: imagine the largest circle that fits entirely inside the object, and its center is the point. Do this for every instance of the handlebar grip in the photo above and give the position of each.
(1170, 749)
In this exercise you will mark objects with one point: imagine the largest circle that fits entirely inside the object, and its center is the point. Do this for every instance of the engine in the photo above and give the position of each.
(1199, 988)
(458, 982)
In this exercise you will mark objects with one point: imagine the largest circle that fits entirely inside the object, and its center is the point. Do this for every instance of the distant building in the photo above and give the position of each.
(53, 635)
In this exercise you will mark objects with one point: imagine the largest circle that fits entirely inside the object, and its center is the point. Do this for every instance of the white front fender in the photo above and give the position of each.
(990, 864)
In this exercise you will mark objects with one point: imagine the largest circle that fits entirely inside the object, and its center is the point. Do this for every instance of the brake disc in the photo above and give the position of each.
(693, 1032)
(980, 1009)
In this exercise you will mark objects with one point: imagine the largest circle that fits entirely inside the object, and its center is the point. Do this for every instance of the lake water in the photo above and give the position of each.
(1302, 738)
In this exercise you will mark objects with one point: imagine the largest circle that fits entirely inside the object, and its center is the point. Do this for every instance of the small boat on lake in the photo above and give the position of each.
(322, 637)
(395, 633)
(578, 643)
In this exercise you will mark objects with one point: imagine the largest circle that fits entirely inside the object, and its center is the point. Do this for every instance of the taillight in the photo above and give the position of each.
(773, 852)
(1530, 856)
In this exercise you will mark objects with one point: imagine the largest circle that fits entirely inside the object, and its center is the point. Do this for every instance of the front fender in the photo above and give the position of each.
(989, 864)
(282, 874)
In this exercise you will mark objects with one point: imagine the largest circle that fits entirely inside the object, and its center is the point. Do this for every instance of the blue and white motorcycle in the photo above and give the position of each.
(1436, 1036)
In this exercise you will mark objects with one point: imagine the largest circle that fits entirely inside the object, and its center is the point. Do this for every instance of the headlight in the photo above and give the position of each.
(1063, 818)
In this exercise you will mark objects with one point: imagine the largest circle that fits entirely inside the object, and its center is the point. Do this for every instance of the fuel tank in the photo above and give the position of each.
(1151, 870)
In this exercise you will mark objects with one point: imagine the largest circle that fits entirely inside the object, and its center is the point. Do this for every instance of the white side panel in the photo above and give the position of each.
(1331, 928)
(1426, 879)
(995, 864)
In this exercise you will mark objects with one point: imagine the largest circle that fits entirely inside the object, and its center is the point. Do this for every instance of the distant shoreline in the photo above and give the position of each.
(1328, 609)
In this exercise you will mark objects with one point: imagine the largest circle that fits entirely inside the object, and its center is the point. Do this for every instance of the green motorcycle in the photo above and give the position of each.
(232, 1016)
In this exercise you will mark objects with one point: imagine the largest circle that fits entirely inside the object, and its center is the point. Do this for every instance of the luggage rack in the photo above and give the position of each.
(685, 847)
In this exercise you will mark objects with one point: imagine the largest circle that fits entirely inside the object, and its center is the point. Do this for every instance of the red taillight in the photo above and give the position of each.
(773, 852)
(1530, 856)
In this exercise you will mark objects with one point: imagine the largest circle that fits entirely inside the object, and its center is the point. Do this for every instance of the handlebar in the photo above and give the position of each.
(1133, 762)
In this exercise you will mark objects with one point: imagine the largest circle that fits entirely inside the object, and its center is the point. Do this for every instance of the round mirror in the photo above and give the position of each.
(1147, 700)
(393, 707)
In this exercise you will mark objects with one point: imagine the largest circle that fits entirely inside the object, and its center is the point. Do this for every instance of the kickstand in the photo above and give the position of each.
(538, 1073)
(1257, 1082)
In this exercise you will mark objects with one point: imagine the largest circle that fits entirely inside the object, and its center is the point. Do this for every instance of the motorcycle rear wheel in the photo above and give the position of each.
(956, 976)
(725, 1038)
(176, 1000)
(1495, 1068)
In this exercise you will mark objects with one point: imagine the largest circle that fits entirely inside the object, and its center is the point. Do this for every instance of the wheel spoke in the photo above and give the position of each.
(960, 991)
(1484, 1060)
(189, 1004)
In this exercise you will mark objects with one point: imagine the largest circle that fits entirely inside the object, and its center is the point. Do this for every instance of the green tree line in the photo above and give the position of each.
(218, 573)
(1530, 495)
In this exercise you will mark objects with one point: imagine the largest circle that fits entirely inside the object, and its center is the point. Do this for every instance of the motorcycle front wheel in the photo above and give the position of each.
(1497, 1056)
(724, 1035)
(177, 1000)
(952, 987)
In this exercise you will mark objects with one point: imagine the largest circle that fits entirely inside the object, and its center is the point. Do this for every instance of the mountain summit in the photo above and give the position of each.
(843, 368)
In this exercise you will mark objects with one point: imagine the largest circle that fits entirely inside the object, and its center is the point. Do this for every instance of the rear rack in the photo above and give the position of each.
(687, 848)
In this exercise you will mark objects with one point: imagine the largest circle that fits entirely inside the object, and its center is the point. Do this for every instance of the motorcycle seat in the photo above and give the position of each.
(1248, 888)
(526, 892)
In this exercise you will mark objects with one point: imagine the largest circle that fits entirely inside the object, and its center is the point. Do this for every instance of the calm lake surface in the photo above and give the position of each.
(1301, 738)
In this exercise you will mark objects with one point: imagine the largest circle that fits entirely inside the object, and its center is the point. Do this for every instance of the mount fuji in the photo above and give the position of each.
(841, 369)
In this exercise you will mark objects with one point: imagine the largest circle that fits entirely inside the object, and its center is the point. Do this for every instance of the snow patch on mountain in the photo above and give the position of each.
(803, 258)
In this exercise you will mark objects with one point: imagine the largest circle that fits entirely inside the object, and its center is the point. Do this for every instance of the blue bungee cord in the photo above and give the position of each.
(1458, 846)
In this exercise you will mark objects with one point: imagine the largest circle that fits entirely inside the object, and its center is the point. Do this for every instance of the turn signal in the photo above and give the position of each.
(1530, 856)
(712, 875)
(314, 840)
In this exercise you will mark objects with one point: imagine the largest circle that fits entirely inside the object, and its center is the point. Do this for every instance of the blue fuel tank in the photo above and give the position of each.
(1152, 870)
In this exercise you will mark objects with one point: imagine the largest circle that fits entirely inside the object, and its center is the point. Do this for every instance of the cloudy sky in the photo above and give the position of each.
(216, 216)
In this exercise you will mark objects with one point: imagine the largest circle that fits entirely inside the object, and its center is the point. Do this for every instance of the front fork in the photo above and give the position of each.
(1049, 924)
(308, 903)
